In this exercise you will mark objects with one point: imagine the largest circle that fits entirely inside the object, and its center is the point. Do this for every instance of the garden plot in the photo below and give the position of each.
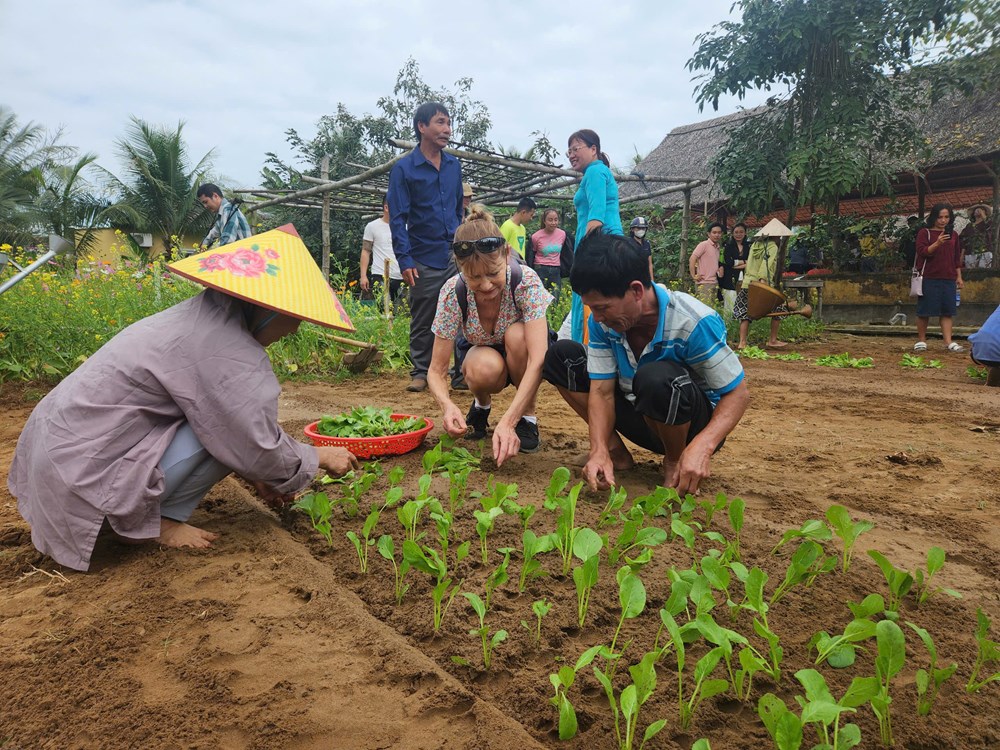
(277, 640)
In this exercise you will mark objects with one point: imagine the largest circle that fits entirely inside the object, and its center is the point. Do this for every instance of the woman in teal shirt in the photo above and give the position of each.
(596, 203)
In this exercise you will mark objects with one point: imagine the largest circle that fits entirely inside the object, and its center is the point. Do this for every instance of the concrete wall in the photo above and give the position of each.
(108, 248)
(876, 297)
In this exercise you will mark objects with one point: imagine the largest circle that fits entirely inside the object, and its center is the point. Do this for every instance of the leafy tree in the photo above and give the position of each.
(844, 119)
(352, 140)
(158, 190)
(26, 151)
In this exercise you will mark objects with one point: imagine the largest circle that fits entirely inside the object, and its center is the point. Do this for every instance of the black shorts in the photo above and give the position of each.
(663, 391)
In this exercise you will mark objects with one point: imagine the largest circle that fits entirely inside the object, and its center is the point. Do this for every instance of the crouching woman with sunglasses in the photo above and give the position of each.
(500, 307)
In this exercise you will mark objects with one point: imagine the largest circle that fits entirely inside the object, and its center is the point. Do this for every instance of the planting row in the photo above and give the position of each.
(713, 630)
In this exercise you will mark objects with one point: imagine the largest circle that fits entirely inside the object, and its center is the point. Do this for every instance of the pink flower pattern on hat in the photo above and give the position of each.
(246, 262)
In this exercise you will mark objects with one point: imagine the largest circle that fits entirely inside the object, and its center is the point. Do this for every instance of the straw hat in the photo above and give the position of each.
(466, 190)
(774, 228)
(273, 270)
(988, 210)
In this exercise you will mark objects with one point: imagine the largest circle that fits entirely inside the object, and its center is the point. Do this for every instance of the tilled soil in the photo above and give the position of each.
(274, 640)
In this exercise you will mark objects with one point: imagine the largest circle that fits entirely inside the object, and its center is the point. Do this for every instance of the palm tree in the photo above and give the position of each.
(158, 190)
(25, 152)
(67, 205)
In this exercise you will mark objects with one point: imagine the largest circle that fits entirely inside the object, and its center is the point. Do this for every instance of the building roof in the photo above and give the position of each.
(961, 131)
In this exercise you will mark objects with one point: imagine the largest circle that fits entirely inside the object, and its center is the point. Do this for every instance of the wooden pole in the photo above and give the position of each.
(324, 171)
(327, 187)
(685, 226)
(385, 289)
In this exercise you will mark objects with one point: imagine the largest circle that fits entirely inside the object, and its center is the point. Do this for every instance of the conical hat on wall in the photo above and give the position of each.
(273, 270)
(774, 228)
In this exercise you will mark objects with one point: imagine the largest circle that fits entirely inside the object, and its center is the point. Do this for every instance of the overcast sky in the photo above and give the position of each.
(240, 74)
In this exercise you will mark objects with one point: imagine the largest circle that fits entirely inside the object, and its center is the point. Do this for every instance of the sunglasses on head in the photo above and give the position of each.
(485, 245)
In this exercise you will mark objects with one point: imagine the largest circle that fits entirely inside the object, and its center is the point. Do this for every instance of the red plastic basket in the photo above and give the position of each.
(369, 447)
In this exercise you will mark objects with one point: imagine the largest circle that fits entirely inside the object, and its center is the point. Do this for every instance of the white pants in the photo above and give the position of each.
(189, 472)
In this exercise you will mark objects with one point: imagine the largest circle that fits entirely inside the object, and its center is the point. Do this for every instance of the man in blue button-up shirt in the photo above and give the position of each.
(425, 208)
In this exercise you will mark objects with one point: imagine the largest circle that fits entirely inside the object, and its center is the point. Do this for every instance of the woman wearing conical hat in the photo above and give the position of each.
(139, 433)
(761, 265)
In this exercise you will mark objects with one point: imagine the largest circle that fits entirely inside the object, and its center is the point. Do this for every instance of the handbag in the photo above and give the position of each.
(917, 277)
(917, 281)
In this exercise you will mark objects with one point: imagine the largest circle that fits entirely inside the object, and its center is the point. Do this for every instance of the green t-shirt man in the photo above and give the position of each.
(515, 234)
(514, 230)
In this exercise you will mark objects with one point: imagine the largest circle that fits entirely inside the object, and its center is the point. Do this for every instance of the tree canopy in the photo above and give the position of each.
(840, 116)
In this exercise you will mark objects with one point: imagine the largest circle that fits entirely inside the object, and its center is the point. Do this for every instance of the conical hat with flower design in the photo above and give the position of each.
(273, 270)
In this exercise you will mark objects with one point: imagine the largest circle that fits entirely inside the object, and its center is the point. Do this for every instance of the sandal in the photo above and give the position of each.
(955, 347)
(920, 346)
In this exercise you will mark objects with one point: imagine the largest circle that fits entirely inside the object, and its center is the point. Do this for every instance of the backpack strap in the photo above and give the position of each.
(462, 291)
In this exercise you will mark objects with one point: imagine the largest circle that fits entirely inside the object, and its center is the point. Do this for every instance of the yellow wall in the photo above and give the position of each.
(108, 247)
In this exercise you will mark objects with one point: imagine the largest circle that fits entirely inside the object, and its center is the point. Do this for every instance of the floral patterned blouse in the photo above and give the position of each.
(531, 303)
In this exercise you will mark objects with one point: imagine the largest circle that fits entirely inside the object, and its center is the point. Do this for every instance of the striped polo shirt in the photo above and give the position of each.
(688, 332)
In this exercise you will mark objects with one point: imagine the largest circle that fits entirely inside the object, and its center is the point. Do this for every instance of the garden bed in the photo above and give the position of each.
(279, 641)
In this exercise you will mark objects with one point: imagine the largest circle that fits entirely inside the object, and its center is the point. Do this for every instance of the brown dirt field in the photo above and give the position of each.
(273, 640)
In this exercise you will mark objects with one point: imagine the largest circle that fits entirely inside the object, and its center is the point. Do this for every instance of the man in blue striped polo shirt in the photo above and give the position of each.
(657, 369)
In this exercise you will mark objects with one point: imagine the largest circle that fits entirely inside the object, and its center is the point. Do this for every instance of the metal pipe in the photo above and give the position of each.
(18, 277)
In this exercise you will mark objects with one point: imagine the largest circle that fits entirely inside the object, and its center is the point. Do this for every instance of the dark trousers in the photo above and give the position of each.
(423, 305)
(663, 391)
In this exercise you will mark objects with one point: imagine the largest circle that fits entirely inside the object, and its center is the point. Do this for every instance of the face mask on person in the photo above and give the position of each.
(640, 233)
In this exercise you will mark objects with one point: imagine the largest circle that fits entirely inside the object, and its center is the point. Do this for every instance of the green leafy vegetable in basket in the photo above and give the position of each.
(367, 421)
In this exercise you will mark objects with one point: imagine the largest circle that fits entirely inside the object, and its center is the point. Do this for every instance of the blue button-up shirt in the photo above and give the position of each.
(425, 209)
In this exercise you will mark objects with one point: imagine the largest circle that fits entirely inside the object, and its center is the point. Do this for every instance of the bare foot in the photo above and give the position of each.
(669, 467)
(776, 344)
(177, 534)
(621, 459)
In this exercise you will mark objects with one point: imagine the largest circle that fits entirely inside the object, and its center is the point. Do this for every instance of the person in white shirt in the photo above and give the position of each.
(376, 247)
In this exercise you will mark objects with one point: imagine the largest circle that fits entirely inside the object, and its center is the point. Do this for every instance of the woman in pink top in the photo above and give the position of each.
(704, 265)
(546, 251)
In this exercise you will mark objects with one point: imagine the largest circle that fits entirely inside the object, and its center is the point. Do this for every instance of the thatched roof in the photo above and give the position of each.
(687, 150)
(959, 130)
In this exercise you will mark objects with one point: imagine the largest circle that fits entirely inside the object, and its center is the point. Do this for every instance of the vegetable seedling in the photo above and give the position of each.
(839, 650)
(987, 651)
(845, 360)
(899, 581)
(631, 699)
(703, 687)
(917, 362)
(489, 642)
(317, 506)
(484, 525)
(429, 561)
(586, 548)
(929, 681)
(847, 529)
(562, 681)
(498, 577)
(807, 562)
(362, 546)
(924, 591)
(889, 661)
(541, 607)
(531, 547)
(735, 513)
(812, 529)
(566, 529)
(632, 598)
(387, 549)
(616, 501)
(633, 536)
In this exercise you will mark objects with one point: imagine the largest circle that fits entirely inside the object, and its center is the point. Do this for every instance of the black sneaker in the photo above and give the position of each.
(478, 421)
(528, 434)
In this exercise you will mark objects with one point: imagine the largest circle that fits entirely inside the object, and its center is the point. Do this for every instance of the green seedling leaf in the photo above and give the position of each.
(812, 529)
(567, 719)
(899, 581)
(587, 544)
(891, 649)
(847, 529)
